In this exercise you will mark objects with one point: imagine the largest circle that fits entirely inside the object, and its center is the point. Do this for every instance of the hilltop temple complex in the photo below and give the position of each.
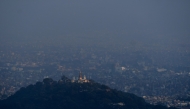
(81, 79)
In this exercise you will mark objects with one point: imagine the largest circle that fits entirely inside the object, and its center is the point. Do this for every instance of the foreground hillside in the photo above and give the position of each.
(64, 94)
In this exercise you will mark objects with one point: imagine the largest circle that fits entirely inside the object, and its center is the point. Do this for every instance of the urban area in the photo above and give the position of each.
(160, 76)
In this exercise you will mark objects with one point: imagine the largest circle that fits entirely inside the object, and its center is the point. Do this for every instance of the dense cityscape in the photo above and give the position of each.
(159, 81)
(134, 47)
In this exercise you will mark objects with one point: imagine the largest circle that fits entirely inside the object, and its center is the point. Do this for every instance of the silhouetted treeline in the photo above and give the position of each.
(64, 94)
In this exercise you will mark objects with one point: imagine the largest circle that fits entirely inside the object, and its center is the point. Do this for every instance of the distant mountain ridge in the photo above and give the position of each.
(64, 94)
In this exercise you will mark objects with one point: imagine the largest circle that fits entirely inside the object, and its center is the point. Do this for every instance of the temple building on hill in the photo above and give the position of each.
(81, 79)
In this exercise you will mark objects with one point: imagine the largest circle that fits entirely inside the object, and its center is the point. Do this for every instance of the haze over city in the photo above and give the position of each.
(140, 47)
(150, 21)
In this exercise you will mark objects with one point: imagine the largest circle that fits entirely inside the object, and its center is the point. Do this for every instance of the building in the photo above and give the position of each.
(81, 79)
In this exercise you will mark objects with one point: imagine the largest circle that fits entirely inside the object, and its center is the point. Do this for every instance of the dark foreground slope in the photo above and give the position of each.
(63, 94)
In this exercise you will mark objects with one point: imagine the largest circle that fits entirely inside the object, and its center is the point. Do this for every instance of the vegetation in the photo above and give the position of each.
(63, 94)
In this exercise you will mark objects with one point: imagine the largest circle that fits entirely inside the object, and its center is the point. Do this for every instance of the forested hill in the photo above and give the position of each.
(64, 94)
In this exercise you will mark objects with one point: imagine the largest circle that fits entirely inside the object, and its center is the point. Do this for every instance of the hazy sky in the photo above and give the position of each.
(141, 19)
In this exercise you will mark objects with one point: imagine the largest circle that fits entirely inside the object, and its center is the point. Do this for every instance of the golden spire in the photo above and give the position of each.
(80, 75)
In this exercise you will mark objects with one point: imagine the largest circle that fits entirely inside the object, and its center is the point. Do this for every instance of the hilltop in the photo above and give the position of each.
(65, 94)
